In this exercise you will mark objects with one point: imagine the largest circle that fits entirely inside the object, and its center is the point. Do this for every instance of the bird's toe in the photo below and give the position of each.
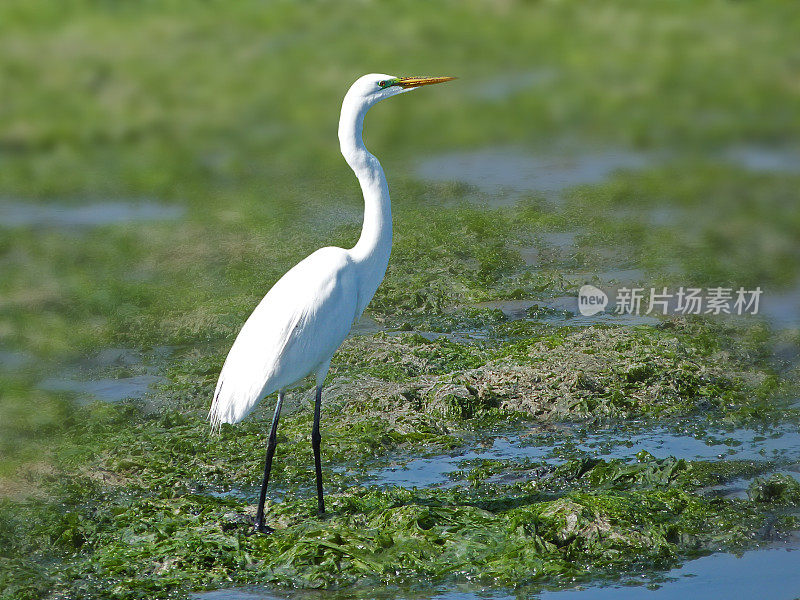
(262, 528)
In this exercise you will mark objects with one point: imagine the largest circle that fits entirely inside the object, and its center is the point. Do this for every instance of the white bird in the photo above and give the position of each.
(300, 323)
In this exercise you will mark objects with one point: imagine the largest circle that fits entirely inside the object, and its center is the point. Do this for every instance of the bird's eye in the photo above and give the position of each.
(382, 83)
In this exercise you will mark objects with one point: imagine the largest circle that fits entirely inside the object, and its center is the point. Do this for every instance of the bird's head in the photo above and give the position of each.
(375, 87)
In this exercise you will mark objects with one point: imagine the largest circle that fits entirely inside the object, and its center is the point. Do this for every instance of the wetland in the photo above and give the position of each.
(163, 166)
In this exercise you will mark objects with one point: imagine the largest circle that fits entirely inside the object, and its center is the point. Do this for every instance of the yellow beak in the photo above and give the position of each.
(412, 82)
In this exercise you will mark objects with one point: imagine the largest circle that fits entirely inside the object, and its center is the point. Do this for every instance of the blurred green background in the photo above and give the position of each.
(163, 163)
(229, 111)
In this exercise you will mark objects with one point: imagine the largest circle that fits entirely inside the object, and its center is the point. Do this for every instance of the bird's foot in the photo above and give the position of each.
(262, 528)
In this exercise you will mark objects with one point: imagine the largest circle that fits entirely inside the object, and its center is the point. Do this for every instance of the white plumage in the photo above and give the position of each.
(293, 332)
(303, 319)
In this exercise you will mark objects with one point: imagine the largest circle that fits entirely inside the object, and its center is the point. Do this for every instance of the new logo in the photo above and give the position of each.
(591, 300)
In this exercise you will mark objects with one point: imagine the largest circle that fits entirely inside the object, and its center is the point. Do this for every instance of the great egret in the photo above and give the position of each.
(307, 314)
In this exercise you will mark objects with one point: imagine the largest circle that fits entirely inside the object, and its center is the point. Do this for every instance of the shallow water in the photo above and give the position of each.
(507, 173)
(610, 276)
(737, 488)
(106, 390)
(741, 444)
(24, 214)
(782, 443)
(11, 359)
(530, 255)
(120, 357)
(469, 336)
(435, 470)
(768, 573)
(765, 159)
(111, 375)
(563, 310)
(771, 573)
(232, 595)
(561, 239)
(243, 495)
(782, 308)
(366, 325)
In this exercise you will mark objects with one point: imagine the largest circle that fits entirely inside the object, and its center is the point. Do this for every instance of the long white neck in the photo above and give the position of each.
(371, 253)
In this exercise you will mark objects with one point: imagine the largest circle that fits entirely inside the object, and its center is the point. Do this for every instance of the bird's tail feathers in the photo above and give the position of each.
(214, 413)
(231, 403)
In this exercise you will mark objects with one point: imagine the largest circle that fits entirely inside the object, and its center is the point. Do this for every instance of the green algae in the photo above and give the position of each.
(647, 472)
(162, 537)
(150, 504)
(709, 473)
(598, 372)
(146, 510)
(154, 545)
(777, 489)
(722, 244)
(154, 505)
(139, 501)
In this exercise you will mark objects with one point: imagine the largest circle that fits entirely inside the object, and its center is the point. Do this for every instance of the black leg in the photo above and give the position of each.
(315, 440)
(271, 445)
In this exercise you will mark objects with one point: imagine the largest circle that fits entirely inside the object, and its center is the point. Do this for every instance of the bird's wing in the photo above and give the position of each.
(294, 330)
